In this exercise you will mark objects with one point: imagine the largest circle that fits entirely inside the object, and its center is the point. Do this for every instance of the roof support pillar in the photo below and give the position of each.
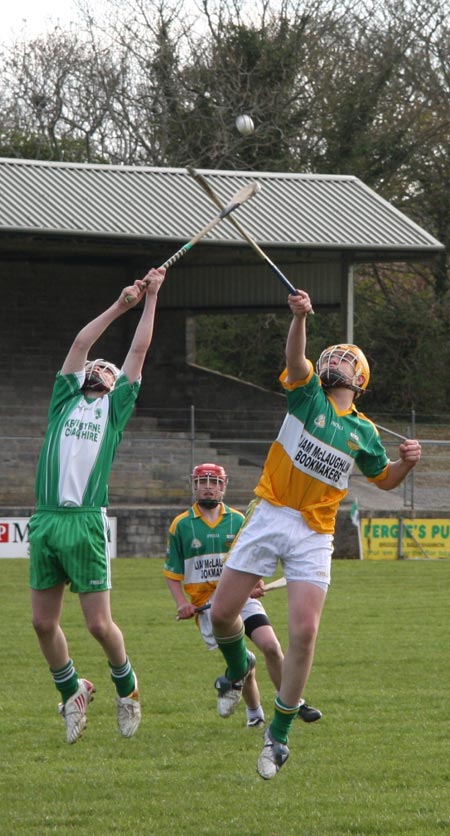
(347, 301)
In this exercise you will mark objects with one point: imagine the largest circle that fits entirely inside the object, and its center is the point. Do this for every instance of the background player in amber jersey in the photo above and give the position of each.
(198, 544)
(90, 407)
(304, 479)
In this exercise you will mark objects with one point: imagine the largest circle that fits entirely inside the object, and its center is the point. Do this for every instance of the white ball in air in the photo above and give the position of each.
(245, 125)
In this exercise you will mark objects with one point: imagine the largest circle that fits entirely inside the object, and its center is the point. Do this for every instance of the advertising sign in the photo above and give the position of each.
(14, 536)
(390, 538)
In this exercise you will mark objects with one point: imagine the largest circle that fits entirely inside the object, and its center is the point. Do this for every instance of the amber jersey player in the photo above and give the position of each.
(198, 544)
(304, 479)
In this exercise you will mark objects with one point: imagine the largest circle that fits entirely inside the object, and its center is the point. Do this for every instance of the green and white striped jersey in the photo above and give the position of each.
(80, 443)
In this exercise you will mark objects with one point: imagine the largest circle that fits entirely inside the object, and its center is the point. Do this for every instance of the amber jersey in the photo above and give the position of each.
(309, 464)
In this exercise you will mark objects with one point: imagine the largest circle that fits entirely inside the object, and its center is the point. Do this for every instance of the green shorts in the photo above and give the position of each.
(70, 545)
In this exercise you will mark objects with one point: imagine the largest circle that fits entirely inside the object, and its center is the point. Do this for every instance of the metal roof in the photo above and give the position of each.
(137, 203)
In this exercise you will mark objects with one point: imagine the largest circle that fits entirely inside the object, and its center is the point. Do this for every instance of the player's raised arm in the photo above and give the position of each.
(296, 362)
(140, 344)
(90, 333)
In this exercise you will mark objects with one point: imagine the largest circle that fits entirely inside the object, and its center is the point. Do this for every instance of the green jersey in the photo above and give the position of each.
(197, 548)
(80, 443)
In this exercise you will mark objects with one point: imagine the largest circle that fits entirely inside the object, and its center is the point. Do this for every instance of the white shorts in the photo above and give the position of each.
(252, 606)
(275, 533)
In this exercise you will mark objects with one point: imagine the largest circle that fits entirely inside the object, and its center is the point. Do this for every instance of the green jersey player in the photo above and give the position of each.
(89, 409)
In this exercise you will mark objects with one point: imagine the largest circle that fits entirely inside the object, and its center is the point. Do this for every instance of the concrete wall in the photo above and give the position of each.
(142, 532)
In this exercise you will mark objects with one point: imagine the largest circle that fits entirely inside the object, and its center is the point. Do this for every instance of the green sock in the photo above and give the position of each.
(235, 653)
(66, 680)
(283, 718)
(123, 678)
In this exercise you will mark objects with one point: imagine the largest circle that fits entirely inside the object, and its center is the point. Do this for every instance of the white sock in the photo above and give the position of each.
(255, 713)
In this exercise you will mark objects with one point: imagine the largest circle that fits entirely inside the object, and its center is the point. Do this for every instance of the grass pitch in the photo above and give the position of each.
(376, 764)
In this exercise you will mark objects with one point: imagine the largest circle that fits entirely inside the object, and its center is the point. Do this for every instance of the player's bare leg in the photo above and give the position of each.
(266, 641)
(46, 608)
(305, 604)
(76, 692)
(252, 698)
(233, 590)
(97, 613)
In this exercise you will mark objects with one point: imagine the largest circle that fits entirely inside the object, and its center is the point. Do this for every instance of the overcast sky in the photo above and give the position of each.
(39, 16)
(35, 17)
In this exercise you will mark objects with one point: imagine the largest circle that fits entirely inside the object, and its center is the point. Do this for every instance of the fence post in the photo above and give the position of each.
(192, 436)
(409, 483)
(400, 553)
(411, 473)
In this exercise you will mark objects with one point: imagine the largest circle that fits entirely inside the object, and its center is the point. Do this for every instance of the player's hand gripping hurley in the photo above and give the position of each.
(198, 609)
(245, 193)
(267, 587)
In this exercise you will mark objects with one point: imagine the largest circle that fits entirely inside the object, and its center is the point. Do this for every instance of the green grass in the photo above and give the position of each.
(376, 765)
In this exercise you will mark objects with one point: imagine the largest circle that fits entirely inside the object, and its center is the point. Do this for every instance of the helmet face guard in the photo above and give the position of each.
(209, 479)
(332, 368)
(94, 380)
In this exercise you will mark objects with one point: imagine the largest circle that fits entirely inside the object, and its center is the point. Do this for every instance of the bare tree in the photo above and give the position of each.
(336, 86)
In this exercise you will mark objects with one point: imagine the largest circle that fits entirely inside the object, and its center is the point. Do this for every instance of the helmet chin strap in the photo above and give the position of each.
(330, 379)
(208, 503)
(95, 383)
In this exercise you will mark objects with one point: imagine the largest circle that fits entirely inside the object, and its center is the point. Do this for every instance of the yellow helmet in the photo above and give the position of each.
(331, 373)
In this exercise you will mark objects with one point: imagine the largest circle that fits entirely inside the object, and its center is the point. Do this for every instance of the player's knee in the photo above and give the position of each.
(43, 625)
(265, 640)
(305, 634)
(216, 617)
(220, 617)
(273, 652)
(98, 628)
(269, 646)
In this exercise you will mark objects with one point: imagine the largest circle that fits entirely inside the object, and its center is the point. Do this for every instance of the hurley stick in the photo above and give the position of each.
(245, 193)
(216, 199)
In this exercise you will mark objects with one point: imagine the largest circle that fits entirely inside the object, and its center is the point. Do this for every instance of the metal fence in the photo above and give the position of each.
(161, 446)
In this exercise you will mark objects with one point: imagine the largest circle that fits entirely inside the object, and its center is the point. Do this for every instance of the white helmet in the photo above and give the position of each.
(93, 380)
